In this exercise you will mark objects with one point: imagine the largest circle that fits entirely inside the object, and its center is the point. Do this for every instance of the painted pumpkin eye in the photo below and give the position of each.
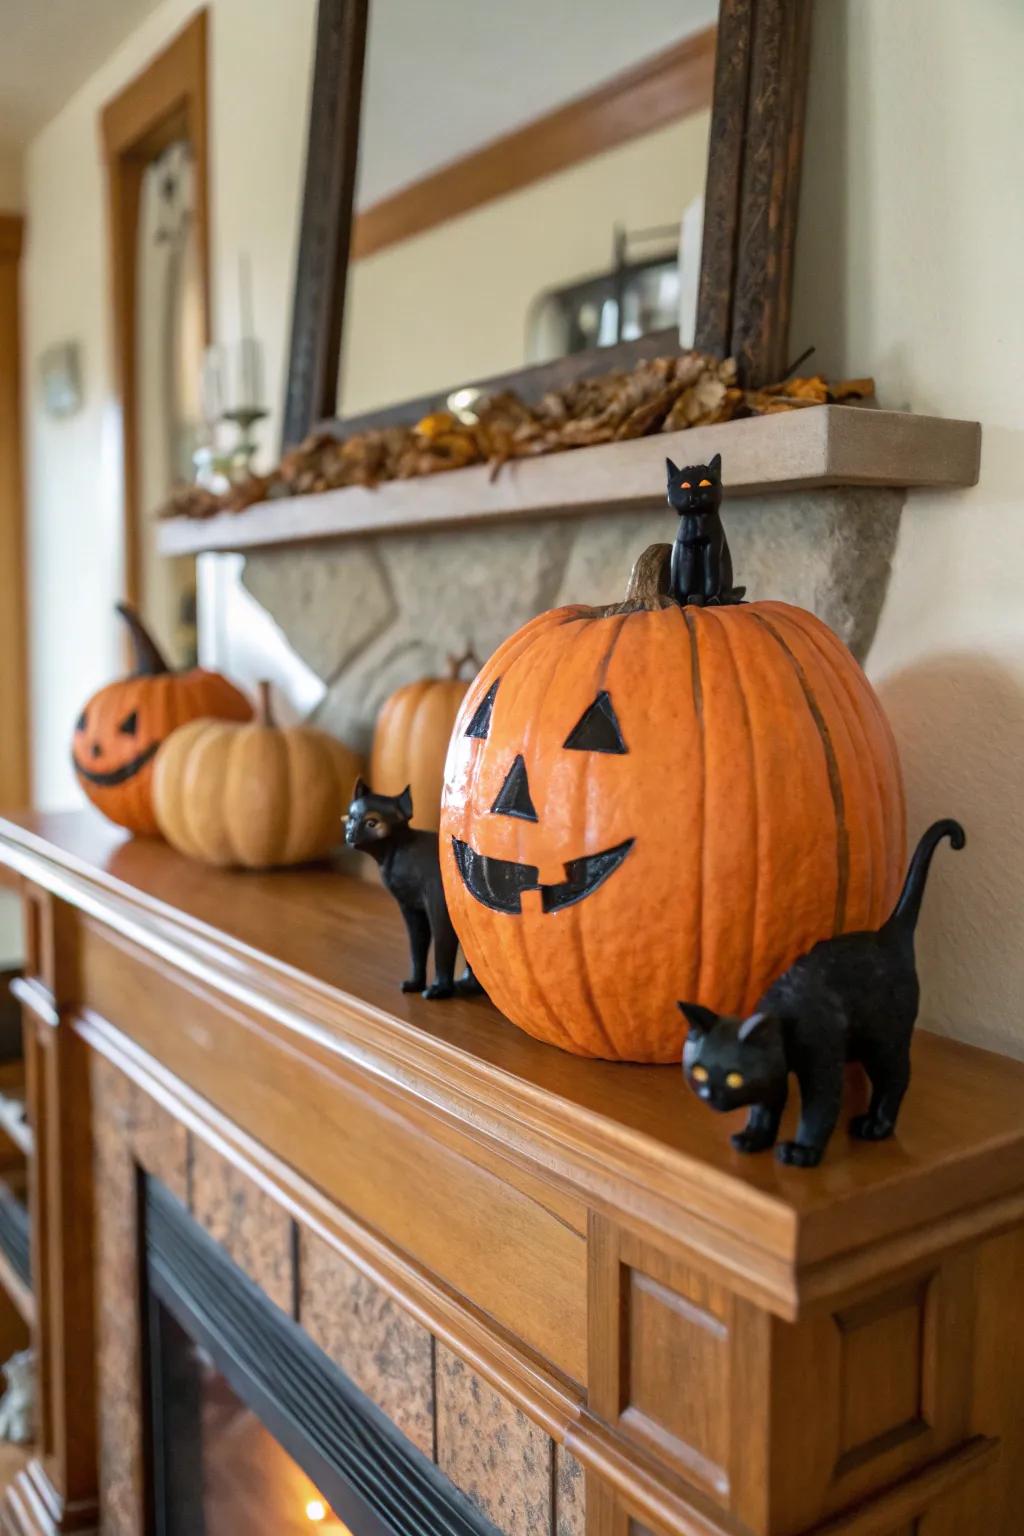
(597, 729)
(130, 724)
(734, 1080)
(480, 725)
(705, 482)
(80, 723)
(699, 1074)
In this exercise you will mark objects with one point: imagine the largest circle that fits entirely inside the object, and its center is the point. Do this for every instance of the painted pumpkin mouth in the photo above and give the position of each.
(117, 776)
(500, 883)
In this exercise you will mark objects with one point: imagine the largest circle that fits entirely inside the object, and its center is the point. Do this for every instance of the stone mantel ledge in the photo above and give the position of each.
(827, 445)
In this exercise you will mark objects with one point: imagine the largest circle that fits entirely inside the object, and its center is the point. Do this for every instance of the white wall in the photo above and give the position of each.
(260, 58)
(910, 267)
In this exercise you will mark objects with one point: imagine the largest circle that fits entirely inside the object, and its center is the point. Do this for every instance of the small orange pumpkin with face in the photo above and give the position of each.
(123, 726)
(655, 801)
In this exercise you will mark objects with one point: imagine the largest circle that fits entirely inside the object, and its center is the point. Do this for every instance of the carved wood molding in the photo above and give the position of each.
(322, 266)
(659, 90)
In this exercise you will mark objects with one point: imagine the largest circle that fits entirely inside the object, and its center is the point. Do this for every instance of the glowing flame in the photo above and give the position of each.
(316, 1510)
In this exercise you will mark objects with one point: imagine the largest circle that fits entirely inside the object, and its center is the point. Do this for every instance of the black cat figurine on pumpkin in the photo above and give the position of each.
(851, 998)
(701, 569)
(410, 867)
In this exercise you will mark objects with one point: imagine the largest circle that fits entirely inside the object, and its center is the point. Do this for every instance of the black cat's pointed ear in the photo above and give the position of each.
(405, 802)
(671, 469)
(715, 466)
(750, 1027)
(700, 1020)
(359, 789)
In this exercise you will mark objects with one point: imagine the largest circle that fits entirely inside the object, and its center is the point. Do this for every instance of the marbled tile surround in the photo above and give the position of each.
(507, 1466)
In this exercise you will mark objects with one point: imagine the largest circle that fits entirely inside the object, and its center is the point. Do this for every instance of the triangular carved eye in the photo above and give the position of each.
(81, 722)
(130, 724)
(480, 724)
(598, 729)
(514, 795)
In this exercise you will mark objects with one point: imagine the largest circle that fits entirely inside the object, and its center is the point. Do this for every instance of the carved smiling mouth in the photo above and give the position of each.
(500, 883)
(117, 775)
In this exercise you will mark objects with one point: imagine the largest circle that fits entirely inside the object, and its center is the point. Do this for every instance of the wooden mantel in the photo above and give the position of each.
(721, 1342)
(796, 450)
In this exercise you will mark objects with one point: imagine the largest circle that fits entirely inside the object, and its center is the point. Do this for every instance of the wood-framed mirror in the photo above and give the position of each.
(630, 190)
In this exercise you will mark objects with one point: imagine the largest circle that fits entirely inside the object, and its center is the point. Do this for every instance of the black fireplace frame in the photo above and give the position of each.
(378, 1483)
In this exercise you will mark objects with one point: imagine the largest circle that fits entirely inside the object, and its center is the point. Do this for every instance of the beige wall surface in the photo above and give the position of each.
(12, 190)
(260, 54)
(452, 304)
(909, 267)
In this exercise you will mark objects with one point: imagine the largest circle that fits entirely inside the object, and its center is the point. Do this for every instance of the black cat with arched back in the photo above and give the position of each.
(701, 570)
(410, 867)
(851, 998)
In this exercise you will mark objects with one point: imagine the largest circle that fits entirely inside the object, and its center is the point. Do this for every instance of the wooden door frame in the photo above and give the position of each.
(15, 775)
(167, 101)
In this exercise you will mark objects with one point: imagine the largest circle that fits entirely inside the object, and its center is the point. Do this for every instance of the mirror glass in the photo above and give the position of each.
(586, 254)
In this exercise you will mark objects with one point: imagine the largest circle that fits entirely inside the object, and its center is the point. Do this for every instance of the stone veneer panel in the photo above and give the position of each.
(384, 1350)
(491, 1450)
(377, 612)
(130, 1130)
(570, 1495)
(252, 1229)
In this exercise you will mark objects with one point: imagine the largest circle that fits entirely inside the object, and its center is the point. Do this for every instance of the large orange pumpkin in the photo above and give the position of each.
(653, 802)
(121, 729)
(410, 739)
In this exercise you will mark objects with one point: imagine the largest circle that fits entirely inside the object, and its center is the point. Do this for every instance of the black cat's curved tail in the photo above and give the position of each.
(907, 909)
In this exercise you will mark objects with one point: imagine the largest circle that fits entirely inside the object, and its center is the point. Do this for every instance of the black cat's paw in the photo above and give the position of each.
(414, 984)
(438, 990)
(752, 1141)
(869, 1128)
(798, 1154)
(468, 986)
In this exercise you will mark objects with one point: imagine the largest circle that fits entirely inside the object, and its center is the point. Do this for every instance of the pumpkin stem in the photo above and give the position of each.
(469, 657)
(264, 708)
(649, 579)
(148, 660)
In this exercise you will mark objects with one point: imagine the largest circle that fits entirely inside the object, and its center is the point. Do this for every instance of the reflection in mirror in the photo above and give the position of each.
(528, 187)
(170, 338)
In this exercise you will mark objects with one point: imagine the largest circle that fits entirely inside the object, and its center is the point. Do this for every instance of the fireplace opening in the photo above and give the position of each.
(251, 1427)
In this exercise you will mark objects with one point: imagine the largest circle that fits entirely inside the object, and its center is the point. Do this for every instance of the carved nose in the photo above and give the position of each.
(514, 796)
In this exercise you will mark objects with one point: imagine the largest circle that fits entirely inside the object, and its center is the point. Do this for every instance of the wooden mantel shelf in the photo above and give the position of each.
(825, 445)
(314, 956)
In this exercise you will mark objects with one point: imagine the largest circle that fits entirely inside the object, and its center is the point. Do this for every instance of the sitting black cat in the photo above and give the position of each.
(410, 867)
(701, 570)
(851, 998)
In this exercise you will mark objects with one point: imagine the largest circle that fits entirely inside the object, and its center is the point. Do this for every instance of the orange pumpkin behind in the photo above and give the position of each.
(121, 729)
(655, 801)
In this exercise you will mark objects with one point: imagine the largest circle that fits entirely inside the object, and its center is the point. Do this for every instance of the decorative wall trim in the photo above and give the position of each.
(661, 89)
(165, 102)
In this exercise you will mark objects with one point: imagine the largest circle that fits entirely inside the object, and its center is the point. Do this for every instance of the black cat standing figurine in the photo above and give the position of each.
(410, 867)
(851, 998)
(701, 569)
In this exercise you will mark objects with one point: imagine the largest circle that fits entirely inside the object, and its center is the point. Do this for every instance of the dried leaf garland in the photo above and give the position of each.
(662, 394)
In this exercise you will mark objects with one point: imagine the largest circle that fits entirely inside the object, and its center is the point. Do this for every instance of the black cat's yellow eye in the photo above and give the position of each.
(699, 1075)
(734, 1080)
(705, 482)
(686, 486)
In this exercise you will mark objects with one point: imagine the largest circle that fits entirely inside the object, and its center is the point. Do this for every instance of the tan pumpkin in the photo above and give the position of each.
(257, 795)
(410, 740)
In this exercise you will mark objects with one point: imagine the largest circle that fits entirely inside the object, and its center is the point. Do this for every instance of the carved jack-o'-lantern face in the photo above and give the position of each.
(123, 726)
(653, 801)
